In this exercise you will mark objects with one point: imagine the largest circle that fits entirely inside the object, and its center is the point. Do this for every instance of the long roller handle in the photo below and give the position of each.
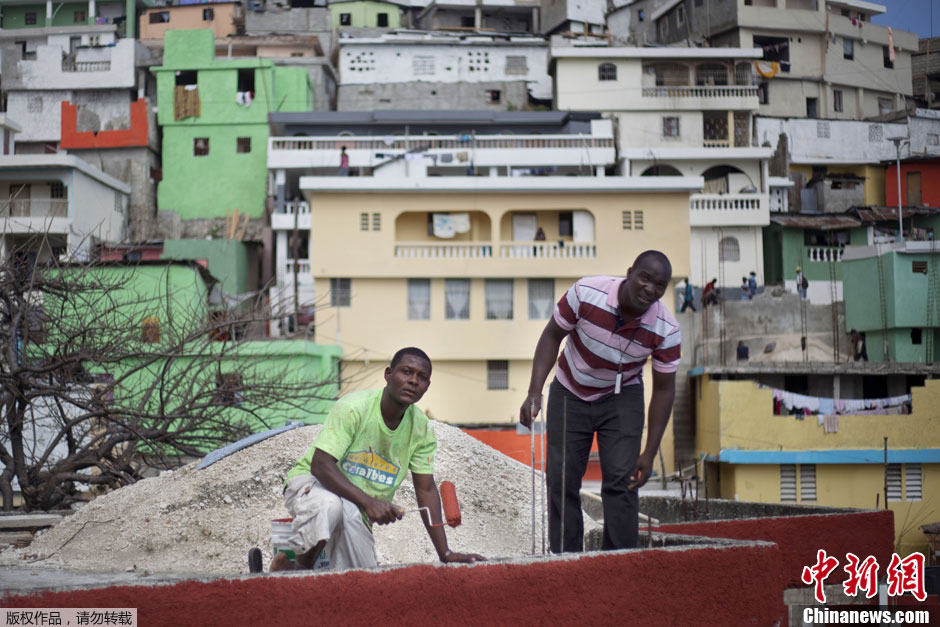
(449, 503)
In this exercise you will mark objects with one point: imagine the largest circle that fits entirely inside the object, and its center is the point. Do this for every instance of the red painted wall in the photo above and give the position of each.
(136, 135)
(799, 537)
(694, 586)
(519, 447)
(929, 182)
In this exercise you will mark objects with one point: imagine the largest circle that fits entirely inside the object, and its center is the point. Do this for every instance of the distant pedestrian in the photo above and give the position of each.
(745, 289)
(801, 283)
(343, 162)
(687, 298)
(710, 294)
(752, 284)
(744, 352)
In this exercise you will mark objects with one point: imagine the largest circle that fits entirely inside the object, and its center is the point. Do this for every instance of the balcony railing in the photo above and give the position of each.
(435, 250)
(86, 66)
(548, 250)
(300, 267)
(34, 208)
(434, 142)
(303, 207)
(701, 91)
(824, 254)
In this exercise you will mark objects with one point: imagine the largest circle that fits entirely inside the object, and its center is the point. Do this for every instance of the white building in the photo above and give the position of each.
(439, 70)
(58, 204)
(684, 112)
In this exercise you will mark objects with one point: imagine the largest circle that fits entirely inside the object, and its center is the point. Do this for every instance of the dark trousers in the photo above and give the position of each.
(618, 420)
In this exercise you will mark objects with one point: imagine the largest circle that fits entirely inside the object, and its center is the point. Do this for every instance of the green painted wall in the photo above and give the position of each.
(64, 14)
(227, 259)
(365, 13)
(15, 16)
(209, 186)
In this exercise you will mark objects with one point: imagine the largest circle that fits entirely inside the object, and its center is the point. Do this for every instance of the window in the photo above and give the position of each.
(822, 129)
(876, 133)
(34, 104)
(243, 144)
(419, 299)
(187, 77)
(680, 15)
(493, 96)
(670, 126)
(917, 336)
(729, 249)
(363, 221)
(933, 139)
(638, 220)
(807, 483)
(467, 21)
(381, 20)
(457, 299)
(788, 483)
(893, 482)
(516, 65)
(228, 389)
(627, 220)
(159, 17)
(848, 48)
(541, 298)
(376, 221)
(57, 190)
(30, 18)
(498, 294)
(200, 146)
(78, 17)
(812, 111)
(422, 65)
(246, 80)
(886, 56)
(208, 15)
(150, 330)
(497, 374)
(662, 31)
(763, 93)
(340, 292)
(606, 72)
(837, 100)
(345, 19)
(913, 479)
(565, 224)
(919, 267)
(885, 105)
(640, 15)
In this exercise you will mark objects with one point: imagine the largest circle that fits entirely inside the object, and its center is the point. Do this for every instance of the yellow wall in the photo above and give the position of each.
(188, 17)
(844, 485)
(874, 178)
(375, 324)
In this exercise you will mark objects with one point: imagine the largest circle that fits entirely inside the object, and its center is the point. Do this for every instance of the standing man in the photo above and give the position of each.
(613, 325)
(347, 479)
(687, 299)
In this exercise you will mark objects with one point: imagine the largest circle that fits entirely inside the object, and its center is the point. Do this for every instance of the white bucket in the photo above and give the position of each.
(280, 543)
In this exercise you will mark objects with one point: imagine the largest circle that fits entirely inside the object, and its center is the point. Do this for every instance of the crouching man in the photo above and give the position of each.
(347, 479)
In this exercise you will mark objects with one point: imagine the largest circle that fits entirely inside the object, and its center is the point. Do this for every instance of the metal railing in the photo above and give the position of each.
(701, 91)
(442, 142)
(515, 250)
(299, 267)
(86, 66)
(302, 207)
(548, 250)
(34, 208)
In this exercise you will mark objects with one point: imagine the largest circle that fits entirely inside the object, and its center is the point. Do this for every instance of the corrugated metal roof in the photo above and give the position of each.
(394, 116)
(824, 222)
(883, 214)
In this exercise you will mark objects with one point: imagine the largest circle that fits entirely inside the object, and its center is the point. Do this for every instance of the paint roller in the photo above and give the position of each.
(448, 502)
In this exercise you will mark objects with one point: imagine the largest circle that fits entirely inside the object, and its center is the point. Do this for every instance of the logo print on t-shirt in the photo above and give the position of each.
(370, 466)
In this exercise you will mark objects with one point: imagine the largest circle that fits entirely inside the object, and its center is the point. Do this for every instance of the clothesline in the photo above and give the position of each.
(830, 406)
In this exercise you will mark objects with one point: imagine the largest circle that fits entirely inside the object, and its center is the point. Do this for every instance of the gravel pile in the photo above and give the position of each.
(204, 521)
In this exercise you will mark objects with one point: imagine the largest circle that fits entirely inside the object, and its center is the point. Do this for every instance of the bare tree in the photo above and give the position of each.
(105, 365)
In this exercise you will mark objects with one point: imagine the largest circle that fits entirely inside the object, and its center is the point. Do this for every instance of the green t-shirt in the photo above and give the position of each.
(373, 457)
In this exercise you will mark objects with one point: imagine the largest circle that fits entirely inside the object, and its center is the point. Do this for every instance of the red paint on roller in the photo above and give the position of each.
(449, 501)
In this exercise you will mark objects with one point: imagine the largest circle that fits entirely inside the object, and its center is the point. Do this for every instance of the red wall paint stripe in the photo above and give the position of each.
(136, 135)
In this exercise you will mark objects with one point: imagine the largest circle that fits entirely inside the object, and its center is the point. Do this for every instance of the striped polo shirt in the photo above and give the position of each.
(599, 341)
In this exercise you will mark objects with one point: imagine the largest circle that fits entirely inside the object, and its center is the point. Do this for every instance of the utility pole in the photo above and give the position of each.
(898, 141)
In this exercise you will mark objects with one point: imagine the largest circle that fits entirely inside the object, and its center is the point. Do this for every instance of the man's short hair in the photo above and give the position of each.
(655, 255)
(410, 350)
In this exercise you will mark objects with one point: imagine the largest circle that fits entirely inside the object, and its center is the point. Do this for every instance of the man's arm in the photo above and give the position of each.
(428, 496)
(324, 468)
(546, 352)
(664, 392)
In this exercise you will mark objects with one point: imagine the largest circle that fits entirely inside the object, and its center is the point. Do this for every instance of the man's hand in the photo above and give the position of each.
(641, 472)
(452, 557)
(383, 512)
(530, 409)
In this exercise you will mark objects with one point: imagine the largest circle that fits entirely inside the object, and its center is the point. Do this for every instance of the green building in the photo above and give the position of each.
(232, 263)
(365, 13)
(892, 294)
(214, 117)
(816, 243)
(34, 14)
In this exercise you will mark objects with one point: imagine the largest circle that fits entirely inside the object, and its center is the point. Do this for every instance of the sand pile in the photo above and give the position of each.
(205, 521)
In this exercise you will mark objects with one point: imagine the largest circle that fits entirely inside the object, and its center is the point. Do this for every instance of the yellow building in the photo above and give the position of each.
(752, 449)
(476, 301)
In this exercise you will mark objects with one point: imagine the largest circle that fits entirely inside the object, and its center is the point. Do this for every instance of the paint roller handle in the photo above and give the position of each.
(426, 511)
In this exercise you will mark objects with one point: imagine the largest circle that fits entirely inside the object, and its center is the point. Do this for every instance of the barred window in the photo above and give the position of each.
(788, 483)
(516, 65)
(670, 126)
(422, 65)
(729, 250)
(340, 292)
(497, 374)
(498, 294)
(457, 299)
(606, 72)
